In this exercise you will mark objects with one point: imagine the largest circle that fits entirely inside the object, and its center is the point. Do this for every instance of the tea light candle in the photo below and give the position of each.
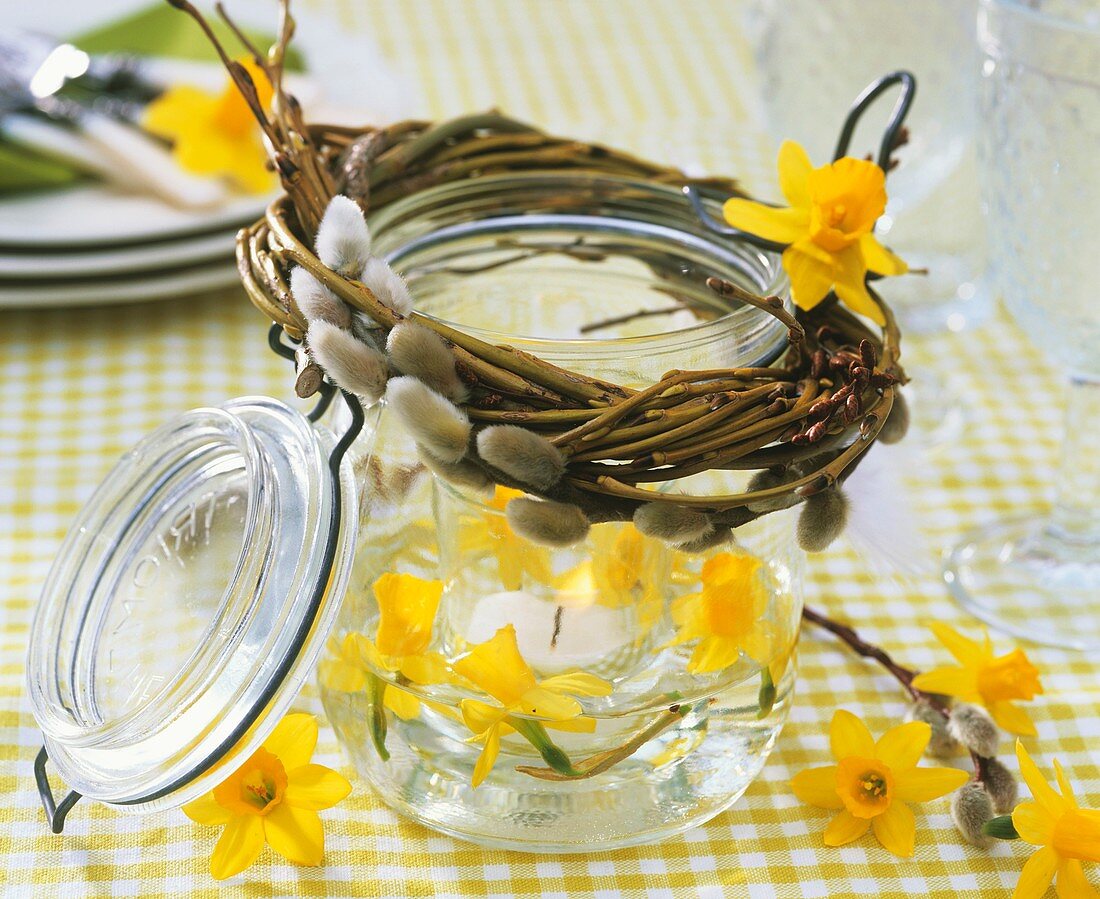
(585, 634)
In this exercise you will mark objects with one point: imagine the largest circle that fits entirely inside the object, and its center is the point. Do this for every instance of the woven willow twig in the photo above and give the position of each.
(807, 419)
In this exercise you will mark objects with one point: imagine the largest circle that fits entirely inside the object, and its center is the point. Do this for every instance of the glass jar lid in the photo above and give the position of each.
(190, 601)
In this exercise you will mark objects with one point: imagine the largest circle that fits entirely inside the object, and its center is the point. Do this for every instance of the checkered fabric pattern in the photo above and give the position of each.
(668, 78)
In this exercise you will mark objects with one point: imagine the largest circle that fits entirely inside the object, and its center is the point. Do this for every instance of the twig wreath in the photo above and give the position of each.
(587, 450)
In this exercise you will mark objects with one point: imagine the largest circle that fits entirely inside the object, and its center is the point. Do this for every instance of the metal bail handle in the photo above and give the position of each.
(55, 811)
(870, 93)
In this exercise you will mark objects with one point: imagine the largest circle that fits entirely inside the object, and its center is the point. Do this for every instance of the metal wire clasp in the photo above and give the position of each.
(55, 812)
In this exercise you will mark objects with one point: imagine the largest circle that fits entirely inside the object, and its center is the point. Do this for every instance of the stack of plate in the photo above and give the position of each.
(94, 244)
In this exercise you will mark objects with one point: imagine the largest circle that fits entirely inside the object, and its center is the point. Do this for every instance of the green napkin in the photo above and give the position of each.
(161, 30)
(158, 30)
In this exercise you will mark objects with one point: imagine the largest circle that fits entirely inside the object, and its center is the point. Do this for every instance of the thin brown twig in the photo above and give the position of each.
(902, 674)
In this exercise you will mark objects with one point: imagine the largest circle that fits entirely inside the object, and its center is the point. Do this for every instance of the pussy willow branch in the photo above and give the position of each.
(901, 674)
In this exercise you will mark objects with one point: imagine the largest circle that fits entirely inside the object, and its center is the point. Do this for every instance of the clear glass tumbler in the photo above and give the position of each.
(1040, 577)
(661, 676)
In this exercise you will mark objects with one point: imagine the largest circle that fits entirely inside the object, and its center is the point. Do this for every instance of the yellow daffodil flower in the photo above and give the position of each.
(516, 558)
(215, 134)
(872, 781)
(273, 797)
(828, 228)
(726, 617)
(406, 612)
(981, 677)
(1067, 833)
(497, 667)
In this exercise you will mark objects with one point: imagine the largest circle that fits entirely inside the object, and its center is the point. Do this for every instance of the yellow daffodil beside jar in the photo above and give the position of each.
(272, 798)
(1065, 833)
(996, 682)
(873, 782)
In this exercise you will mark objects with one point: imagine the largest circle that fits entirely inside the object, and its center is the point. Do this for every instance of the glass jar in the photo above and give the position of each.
(603, 695)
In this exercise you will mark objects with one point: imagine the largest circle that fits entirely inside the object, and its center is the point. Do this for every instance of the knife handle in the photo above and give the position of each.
(147, 162)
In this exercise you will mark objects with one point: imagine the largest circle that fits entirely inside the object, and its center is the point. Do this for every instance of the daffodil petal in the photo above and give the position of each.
(880, 260)
(238, 846)
(580, 725)
(1071, 882)
(896, 829)
(480, 716)
(315, 787)
(488, 757)
(844, 828)
(713, 653)
(1037, 873)
(951, 680)
(295, 833)
(1033, 823)
(849, 736)
(901, 747)
(769, 222)
(925, 784)
(293, 740)
(578, 683)
(542, 702)
(497, 667)
(426, 668)
(1040, 789)
(811, 275)
(337, 674)
(173, 111)
(401, 702)
(1012, 718)
(851, 288)
(1063, 783)
(207, 810)
(757, 645)
(968, 652)
(817, 787)
(794, 171)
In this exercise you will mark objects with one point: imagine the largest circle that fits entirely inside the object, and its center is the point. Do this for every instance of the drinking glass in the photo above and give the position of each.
(1040, 116)
(815, 57)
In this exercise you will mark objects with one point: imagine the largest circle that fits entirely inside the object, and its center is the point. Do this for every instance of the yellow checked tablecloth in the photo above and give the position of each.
(81, 386)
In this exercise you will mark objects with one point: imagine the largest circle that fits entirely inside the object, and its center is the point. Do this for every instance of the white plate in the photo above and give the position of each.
(106, 291)
(46, 266)
(96, 215)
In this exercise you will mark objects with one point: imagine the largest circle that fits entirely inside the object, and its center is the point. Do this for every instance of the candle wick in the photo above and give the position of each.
(557, 627)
